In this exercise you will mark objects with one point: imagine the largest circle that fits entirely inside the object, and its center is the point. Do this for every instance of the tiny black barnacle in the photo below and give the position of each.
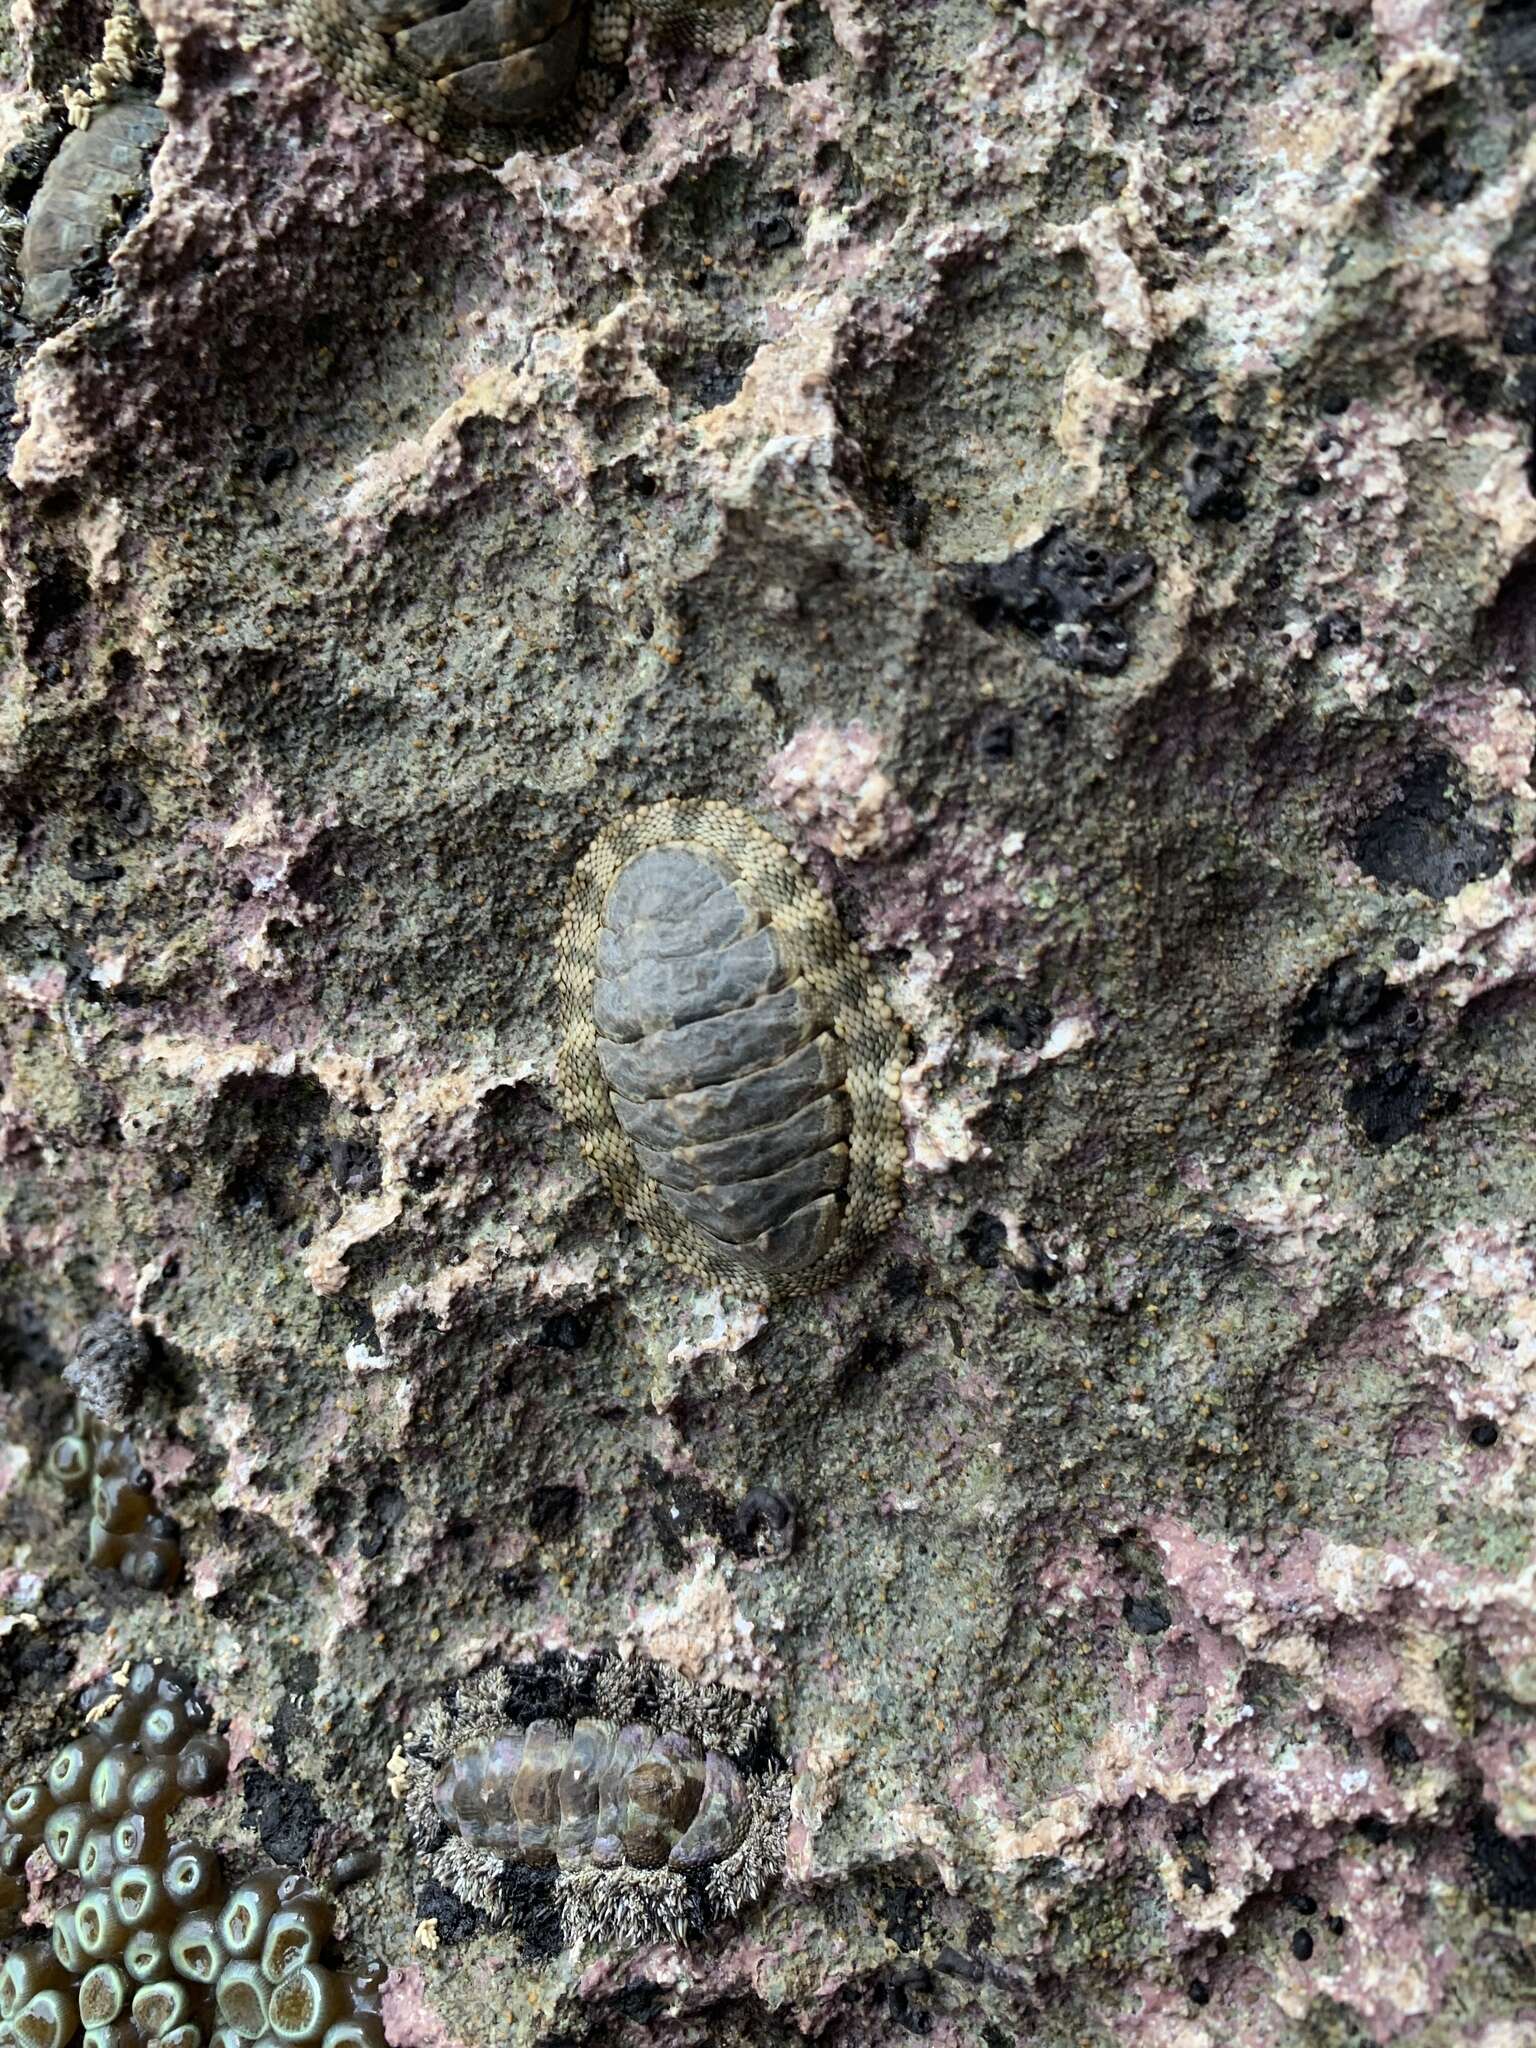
(481, 79)
(647, 1816)
(727, 1056)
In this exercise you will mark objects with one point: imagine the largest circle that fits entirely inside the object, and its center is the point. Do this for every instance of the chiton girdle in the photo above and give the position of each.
(727, 1056)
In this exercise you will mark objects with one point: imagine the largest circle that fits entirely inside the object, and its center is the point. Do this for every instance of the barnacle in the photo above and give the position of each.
(482, 79)
(726, 1055)
(102, 1807)
(642, 1828)
(127, 1535)
(159, 1947)
(99, 173)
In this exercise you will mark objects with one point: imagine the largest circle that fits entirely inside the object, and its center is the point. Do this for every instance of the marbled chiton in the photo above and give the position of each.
(727, 1056)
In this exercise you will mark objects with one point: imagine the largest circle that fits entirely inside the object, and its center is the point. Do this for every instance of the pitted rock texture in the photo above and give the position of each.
(379, 527)
(731, 1065)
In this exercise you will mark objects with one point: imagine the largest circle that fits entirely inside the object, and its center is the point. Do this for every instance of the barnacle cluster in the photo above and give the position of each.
(127, 1534)
(1067, 593)
(646, 1810)
(160, 1946)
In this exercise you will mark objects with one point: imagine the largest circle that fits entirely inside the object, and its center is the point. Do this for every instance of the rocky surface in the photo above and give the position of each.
(1066, 468)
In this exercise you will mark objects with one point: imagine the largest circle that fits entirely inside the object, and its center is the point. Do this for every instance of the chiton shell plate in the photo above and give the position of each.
(727, 1055)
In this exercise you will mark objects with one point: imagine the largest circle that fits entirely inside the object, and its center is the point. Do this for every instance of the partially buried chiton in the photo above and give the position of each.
(727, 1057)
(98, 176)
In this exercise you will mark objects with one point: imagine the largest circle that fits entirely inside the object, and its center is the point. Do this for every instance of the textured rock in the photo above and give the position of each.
(1067, 471)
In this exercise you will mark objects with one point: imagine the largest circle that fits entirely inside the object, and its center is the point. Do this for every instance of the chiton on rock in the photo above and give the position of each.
(727, 1056)
(100, 173)
(640, 1808)
(484, 78)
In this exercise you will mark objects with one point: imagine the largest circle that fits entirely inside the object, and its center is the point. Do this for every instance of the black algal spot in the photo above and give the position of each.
(995, 741)
(453, 1920)
(903, 1281)
(1213, 472)
(1504, 1865)
(1066, 593)
(1391, 1105)
(567, 1331)
(384, 1509)
(1022, 1025)
(1199, 1991)
(904, 1915)
(983, 1240)
(1301, 1945)
(1423, 839)
(1483, 1431)
(909, 2017)
(1144, 1615)
(1374, 1829)
(552, 1511)
(284, 1812)
(1399, 1749)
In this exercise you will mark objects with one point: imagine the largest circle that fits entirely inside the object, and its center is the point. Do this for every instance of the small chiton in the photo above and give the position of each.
(486, 77)
(726, 1054)
(624, 1815)
(100, 173)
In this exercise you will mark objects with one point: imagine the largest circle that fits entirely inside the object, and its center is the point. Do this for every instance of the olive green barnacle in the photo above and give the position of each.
(146, 1954)
(241, 1997)
(127, 1534)
(726, 1054)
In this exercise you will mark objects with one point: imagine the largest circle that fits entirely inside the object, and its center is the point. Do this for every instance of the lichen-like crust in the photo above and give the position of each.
(490, 76)
(845, 1175)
